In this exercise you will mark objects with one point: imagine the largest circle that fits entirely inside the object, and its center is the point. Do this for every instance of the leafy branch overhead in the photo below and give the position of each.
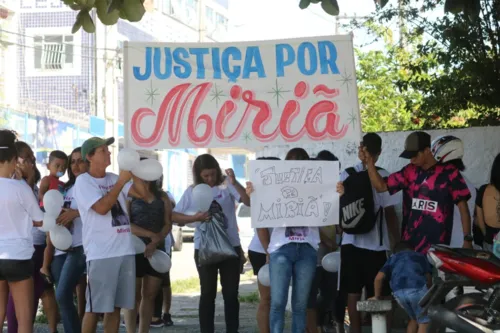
(108, 12)
(470, 7)
(459, 80)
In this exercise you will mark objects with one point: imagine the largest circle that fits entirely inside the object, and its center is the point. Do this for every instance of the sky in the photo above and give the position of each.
(277, 19)
(251, 20)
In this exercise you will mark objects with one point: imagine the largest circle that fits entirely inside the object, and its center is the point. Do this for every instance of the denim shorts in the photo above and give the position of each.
(408, 299)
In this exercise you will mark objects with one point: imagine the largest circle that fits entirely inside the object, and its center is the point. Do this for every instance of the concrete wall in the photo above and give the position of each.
(482, 144)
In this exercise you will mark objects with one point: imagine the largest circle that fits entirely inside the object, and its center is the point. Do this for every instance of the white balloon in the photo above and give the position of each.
(61, 237)
(53, 202)
(202, 197)
(148, 169)
(331, 262)
(139, 245)
(49, 222)
(128, 159)
(263, 276)
(160, 261)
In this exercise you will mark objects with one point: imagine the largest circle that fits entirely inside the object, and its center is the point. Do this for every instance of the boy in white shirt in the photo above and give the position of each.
(101, 199)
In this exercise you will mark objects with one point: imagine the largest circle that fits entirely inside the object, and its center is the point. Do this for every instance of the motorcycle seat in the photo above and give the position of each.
(472, 253)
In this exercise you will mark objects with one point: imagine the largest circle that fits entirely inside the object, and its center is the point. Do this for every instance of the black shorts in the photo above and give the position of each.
(16, 270)
(359, 267)
(143, 267)
(166, 280)
(257, 260)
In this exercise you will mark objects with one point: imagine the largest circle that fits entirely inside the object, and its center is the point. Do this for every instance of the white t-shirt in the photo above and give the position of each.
(255, 244)
(39, 237)
(457, 233)
(226, 195)
(371, 240)
(104, 236)
(76, 227)
(19, 209)
(283, 236)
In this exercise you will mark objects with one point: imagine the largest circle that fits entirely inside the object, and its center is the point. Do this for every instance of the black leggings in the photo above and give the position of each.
(229, 271)
(159, 298)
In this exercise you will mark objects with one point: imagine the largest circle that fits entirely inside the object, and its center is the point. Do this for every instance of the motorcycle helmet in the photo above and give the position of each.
(447, 148)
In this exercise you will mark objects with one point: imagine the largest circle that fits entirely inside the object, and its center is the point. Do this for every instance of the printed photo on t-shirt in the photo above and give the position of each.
(296, 233)
(217, 213)
(118, 216)
(67, 205)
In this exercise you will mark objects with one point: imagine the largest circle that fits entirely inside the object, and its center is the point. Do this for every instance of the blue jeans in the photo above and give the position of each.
(67, 270)
(296, 261)
(409, 299)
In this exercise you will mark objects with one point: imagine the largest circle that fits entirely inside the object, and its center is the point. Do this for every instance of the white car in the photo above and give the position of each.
(244, 225)
(178, 238)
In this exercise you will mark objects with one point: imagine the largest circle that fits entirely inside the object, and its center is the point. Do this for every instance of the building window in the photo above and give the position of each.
(166, 7)
(192, 4)
(209, 15)
(53, 52)
(221, 20)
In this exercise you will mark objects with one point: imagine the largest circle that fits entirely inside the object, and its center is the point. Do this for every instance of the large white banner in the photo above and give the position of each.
(246, 94)
(294, 193)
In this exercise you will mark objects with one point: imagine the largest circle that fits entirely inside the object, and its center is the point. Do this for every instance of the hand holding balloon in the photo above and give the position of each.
(128, 159)
(67, 216)
(149, 251)
(202, 217)
(196, 218)
(148, 169)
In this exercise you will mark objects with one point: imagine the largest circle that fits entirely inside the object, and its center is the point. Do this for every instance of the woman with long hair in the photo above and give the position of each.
(258, 258)
(150, 220)
(67, 267)
(488, 206)
(42, 290)
(226, 192)
(20, 213)
(292, 256)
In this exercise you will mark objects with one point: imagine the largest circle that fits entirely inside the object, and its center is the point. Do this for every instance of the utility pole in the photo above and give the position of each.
(202, 29)
(402, 29)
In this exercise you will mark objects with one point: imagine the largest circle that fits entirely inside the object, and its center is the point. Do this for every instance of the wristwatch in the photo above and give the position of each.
(468, 238)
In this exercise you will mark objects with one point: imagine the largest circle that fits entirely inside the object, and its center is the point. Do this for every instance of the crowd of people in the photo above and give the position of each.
(101, 274)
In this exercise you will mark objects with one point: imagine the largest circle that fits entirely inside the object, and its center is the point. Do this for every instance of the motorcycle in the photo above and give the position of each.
(465, 268)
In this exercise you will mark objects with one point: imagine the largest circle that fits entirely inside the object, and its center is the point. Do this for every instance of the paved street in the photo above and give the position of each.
(183, 266)
(185, 306)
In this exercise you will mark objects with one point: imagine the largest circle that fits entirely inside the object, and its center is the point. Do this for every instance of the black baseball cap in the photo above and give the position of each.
(415, 143)
(373, 143)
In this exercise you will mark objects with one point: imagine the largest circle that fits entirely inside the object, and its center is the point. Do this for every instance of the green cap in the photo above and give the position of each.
(94, 143)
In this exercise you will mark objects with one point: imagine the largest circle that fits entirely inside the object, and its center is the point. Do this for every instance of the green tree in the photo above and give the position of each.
(463, 82)
(386, 104)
